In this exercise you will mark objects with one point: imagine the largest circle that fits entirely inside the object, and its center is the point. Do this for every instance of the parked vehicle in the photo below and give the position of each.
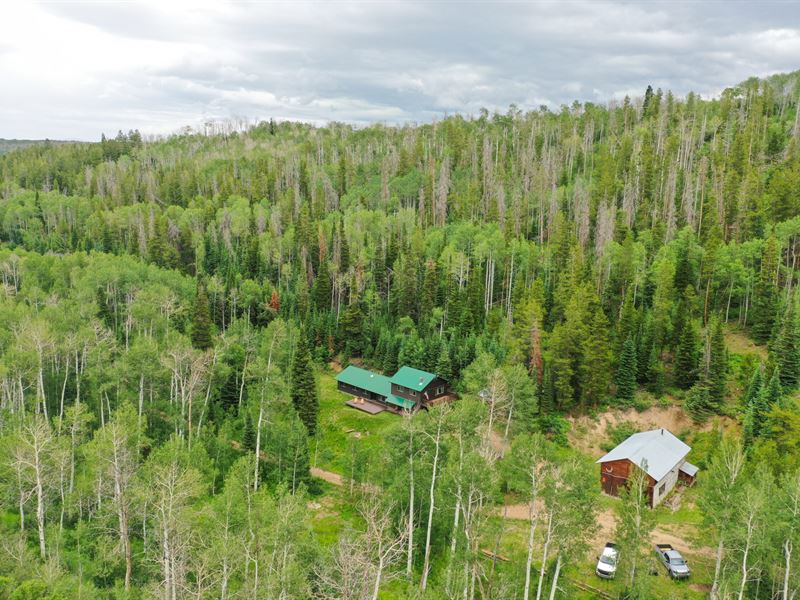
(607, 562)
(676, 565)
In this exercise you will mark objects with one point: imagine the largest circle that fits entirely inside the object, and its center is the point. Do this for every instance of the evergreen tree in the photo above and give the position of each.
(595, 372)
(428, 293)
(699, 402)
(773, 393)
(686, 358)
(186, 252)
(626, 372)
(717, 364)
(787, 349)
(304, 387)
(389, 365)
(344, 249)
(765, 295)
(253, 259)
(684, 275)
(444, 366)
(248, 433)
(755, 411)
(321, 290)
(351, 329)
(201, 319)
(160, 251)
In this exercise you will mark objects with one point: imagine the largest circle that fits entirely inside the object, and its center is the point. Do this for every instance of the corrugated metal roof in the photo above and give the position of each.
(689, 469)
(412, 378)
(658, 450)
(366, 380)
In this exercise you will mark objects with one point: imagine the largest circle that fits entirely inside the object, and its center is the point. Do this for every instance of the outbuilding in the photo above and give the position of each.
(659, 453)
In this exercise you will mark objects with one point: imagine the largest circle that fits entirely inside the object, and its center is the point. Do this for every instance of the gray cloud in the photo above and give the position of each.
(74, 70)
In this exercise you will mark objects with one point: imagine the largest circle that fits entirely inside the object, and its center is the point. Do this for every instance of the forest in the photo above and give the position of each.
(173, 312)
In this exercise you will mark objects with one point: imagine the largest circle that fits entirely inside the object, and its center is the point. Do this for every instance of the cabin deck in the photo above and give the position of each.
(367, 406)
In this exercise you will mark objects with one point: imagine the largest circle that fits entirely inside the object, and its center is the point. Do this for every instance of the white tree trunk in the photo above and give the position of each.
(426, 565)
(554, 585)
(543, 568)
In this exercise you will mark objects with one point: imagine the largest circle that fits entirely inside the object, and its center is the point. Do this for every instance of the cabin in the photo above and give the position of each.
(408, 389)
(659, 453)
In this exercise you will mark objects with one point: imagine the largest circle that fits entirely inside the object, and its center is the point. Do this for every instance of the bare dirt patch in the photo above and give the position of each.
(588, 433)
(329, 476)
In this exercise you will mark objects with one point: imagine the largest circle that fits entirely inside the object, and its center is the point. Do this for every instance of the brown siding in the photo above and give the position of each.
(419, 395)
(358, 392)
(614, 474)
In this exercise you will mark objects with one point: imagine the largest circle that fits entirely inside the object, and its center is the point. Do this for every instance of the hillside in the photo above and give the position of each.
(11, 145)
(173, 314)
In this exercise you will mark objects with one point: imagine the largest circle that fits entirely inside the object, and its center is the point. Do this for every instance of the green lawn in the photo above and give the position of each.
(340, 426)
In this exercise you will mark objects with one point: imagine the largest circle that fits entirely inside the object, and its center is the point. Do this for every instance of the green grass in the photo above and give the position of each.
(339, 425)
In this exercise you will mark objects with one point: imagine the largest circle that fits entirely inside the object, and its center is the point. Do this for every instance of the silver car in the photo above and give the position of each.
(607, 562)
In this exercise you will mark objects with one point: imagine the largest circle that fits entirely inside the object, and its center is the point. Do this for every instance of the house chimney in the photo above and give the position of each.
(662, 431)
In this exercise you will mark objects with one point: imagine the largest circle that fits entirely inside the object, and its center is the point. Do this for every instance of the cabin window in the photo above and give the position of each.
(662, 489)
(413, 393)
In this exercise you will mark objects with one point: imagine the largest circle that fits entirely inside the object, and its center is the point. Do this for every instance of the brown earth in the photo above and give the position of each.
(588, 433)
(329, 476)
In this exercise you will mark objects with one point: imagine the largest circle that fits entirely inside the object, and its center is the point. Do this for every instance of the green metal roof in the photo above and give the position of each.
(375, 383)
(401, 402)
(413, 379)
(366, 380)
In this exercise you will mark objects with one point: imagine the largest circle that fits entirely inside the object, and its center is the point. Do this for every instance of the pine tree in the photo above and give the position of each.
(444, 366)
(344, 249)
(201, 320)
(754, 409)
(626, 327)
(160, 251)
(595, 371)
(304, 387)
(186, 252)
(684, 276)
(717, 364)
(765, 295)
(351, 329)
(686, 358)
(699, 402)
(253, 259)
(389, 365)
(321, 290)
(787, 349)
(626, 372)
(248, 434)
(428, 293)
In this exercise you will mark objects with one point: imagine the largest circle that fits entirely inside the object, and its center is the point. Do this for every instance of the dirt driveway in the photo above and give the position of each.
(680, 536)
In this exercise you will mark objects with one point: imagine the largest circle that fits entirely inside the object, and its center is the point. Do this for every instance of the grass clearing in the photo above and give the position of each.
(340, 426)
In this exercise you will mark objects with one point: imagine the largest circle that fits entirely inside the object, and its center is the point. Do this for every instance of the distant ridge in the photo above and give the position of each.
(7, 146)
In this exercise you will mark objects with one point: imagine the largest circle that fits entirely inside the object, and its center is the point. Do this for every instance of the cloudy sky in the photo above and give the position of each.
(73, 70)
